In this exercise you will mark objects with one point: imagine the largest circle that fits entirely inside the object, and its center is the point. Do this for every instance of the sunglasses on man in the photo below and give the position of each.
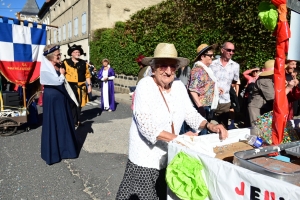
(229, 50)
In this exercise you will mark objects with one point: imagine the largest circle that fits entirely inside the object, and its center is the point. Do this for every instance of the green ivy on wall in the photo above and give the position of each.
(187, 24)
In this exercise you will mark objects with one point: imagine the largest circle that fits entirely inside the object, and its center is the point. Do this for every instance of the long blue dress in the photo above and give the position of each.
(58, 131)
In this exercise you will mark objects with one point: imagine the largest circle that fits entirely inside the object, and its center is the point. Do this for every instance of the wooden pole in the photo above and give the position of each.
(18, 15)
(24, 96)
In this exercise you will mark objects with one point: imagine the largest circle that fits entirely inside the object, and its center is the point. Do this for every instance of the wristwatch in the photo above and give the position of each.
(89, 84)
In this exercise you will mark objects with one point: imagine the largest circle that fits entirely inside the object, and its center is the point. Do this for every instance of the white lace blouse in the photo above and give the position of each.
(151, 117)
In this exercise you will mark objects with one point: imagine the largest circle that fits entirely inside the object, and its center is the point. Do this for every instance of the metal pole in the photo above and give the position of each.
(18, 14)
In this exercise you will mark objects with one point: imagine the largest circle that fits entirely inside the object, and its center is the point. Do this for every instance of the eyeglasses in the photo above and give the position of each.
(58, 54)
(164, 67)
(230, 50)
(209, 55)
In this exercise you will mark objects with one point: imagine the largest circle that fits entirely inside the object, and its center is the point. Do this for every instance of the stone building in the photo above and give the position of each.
(30, 11)
(77, 19)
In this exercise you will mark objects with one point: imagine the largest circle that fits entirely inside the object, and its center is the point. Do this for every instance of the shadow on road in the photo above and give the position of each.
(82, 131)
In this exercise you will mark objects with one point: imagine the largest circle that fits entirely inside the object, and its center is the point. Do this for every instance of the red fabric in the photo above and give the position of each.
(280, 107)
(40, 100)
(277, 3)
(20, 73)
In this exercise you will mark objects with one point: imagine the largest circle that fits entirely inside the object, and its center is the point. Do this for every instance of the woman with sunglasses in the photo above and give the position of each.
(202, 85)
(161, 105)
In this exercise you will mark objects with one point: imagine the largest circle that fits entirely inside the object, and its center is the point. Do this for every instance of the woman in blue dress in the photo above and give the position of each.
(58, 131)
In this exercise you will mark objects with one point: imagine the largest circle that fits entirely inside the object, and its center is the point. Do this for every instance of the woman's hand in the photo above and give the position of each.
(291, 84)
(190, 133)
(296, 82)
(62, 71)
(218, 128)
(221, 91)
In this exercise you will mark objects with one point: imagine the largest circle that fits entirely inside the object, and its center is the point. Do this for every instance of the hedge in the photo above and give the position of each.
(187, 24)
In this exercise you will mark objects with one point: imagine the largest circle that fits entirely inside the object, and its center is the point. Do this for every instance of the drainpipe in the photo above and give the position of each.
(89, 28)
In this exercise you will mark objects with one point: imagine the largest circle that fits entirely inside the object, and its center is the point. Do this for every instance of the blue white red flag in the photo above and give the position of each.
(21, 51)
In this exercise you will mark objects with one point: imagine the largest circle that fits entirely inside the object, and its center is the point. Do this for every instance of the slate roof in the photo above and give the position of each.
(30, 8)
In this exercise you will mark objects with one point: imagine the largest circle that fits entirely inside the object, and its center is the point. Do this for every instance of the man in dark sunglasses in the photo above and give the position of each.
(226, 72)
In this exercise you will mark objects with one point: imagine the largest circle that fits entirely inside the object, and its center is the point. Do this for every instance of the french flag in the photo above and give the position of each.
(21, 51)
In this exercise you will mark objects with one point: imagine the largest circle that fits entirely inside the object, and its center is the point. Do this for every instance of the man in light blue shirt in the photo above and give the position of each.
(227, 72)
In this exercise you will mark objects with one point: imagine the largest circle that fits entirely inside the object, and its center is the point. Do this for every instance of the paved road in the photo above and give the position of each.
(96, 174)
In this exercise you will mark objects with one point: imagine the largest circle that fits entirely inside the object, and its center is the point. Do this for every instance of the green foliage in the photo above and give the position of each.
(187, 24)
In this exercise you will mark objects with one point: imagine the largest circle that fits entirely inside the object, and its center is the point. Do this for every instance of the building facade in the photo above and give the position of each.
(29, 12)
(77, 19)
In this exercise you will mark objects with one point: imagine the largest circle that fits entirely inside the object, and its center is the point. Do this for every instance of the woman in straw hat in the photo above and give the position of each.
(202, 85)
(161, 105)
(263, 94)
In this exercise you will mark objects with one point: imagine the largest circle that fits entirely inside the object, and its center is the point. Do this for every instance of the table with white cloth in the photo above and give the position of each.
(225, 180)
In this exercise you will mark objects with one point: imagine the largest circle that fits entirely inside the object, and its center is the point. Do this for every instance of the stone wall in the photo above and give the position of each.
(123, 82)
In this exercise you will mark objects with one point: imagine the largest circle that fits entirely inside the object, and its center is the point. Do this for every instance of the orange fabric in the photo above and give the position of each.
(282, 10)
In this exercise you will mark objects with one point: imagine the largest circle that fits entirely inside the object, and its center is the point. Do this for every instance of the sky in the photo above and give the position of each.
(8, 8)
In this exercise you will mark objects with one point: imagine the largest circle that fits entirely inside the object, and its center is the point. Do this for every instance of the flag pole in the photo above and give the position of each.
(28, 21)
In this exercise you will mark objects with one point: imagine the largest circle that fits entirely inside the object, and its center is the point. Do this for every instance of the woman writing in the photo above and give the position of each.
(161, 105)
(58, 131)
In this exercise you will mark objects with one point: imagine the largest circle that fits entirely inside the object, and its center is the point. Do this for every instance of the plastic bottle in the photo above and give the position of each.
(254, 140)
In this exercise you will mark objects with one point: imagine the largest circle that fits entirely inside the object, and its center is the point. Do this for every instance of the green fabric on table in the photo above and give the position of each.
(185, 179)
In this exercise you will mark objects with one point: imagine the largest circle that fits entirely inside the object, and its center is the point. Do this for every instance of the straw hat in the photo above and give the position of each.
(268, 68)
(166, 50)
(202, 49)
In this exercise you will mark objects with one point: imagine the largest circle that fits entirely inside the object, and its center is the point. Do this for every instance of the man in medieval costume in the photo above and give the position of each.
(77, 75)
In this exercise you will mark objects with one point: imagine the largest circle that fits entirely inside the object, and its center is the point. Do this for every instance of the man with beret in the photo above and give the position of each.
(77, 75)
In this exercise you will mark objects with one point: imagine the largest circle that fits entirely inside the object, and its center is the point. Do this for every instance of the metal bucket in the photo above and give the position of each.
(242, 159)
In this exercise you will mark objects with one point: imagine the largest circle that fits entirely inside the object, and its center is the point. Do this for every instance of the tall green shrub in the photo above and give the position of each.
(187, 24)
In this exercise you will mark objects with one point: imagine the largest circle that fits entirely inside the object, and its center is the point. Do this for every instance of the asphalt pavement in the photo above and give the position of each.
(96, 174)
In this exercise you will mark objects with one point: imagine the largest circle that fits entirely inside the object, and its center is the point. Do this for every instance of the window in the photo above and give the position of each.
(76, 26)
(83, 23)
(64, 32)
(59, 34)
(54, 36)
(69, 29)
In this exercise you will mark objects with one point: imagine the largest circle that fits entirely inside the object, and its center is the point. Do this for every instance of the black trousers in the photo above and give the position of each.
(76, 110)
